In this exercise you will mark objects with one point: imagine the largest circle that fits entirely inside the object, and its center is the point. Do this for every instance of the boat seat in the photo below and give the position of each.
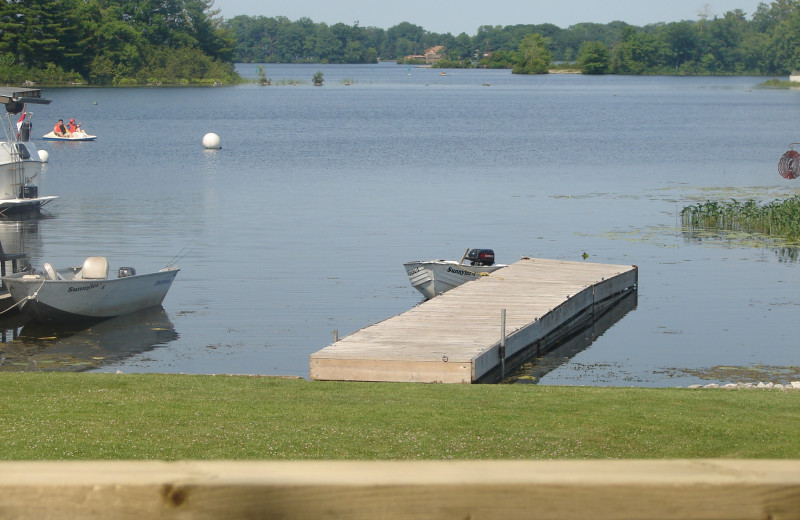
(50, 272)
(94, 268)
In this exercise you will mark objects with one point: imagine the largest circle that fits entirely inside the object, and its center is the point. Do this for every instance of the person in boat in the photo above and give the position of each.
(60, 130)
(75, 128)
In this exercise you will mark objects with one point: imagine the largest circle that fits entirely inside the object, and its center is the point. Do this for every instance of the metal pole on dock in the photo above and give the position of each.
(502, 344)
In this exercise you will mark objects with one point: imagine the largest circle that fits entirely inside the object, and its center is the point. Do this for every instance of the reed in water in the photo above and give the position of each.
(780, 218)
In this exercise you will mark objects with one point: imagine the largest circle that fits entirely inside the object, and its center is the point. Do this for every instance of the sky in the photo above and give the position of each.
(457, 16)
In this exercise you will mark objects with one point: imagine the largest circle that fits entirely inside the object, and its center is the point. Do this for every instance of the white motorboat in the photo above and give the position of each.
(433, 277)
(20, 161)
(75, 136)
(86, 293)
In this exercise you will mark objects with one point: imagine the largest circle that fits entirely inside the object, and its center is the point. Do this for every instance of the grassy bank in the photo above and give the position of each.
(57, 416)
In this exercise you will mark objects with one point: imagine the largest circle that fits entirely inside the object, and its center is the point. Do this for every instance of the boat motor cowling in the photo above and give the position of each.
(481, 256)
(29, 191)
(25, 131)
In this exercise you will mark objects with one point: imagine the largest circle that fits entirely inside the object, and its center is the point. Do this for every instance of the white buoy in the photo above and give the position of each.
(211, 141)
(43, 155)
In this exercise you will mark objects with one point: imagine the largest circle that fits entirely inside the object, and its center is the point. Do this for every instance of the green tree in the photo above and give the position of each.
(493, 38)
(121, 48)
(681, 41)
(207, 28)
(784, 53)
(499, 60)
(461, 47)
(533, 56)
(290, 42)
(723, 40)
(594, 58)
(42, 30)
(328, 45)
(636, 53)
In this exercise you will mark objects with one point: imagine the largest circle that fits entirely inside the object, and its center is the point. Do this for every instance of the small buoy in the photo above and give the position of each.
(43, 155)
(211, 141)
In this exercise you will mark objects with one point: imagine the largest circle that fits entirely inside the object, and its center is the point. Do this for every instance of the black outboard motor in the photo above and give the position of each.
(29, 191)
(25, 131)
(481, 257)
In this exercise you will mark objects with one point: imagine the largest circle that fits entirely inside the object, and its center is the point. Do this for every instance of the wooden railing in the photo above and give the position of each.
(562, 490)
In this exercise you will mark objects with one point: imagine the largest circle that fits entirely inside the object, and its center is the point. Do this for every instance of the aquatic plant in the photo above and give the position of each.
(779, 83)
(289, 82)
(262, 76)
(780, 218)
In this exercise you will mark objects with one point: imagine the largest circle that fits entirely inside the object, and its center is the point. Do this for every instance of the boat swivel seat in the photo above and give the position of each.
(95, 268)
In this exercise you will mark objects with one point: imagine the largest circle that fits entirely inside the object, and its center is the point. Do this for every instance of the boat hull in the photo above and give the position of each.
(20, 171)
(434, 277)
(58, 301)
(53, 137)
(9, 206)
(21, 162)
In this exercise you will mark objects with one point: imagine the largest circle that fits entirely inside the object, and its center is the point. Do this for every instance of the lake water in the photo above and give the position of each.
(300, 224)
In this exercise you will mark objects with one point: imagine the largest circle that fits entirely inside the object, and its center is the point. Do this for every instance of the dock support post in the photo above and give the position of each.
(335, 335)
(502, 344)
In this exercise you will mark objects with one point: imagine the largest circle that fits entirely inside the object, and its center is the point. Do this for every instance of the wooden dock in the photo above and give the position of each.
(458, 336)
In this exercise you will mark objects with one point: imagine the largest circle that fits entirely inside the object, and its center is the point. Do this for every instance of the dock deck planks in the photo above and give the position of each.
(455, 337)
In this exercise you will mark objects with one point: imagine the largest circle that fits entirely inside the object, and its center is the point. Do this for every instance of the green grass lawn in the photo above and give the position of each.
(68, 416)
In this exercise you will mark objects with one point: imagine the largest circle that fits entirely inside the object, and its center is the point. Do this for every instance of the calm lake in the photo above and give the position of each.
(300, 224)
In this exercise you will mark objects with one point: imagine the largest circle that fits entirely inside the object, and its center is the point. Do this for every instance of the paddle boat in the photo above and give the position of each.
(86, 293)
(20, 161)
(434, 277)
(77, 135)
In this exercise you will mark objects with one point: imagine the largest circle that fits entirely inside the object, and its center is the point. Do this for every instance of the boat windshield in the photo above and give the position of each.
(23, 151)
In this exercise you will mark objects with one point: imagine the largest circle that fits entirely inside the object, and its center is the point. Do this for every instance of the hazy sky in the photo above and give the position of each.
(457, 16)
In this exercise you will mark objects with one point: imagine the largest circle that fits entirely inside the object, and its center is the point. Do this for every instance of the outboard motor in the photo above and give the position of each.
(25, 131)
(29, 191)
(481, 256)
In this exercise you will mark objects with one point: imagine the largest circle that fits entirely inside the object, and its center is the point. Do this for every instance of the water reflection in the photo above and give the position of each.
(564, 350)
(784, 250)
(787, 254)
(30, 347)
(20, 234)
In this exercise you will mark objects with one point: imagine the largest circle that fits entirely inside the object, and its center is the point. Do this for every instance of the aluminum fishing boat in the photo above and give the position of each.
(86, 293)
(434, 277)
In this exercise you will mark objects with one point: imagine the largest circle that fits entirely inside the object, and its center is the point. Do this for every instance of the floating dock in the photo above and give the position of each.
(477, 331)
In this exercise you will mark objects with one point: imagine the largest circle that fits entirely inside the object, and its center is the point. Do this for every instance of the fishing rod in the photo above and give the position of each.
(180, 254)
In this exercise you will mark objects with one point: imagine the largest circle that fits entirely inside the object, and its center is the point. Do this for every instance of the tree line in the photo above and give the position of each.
(136, 42)
(123, 42)
(767, 43)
